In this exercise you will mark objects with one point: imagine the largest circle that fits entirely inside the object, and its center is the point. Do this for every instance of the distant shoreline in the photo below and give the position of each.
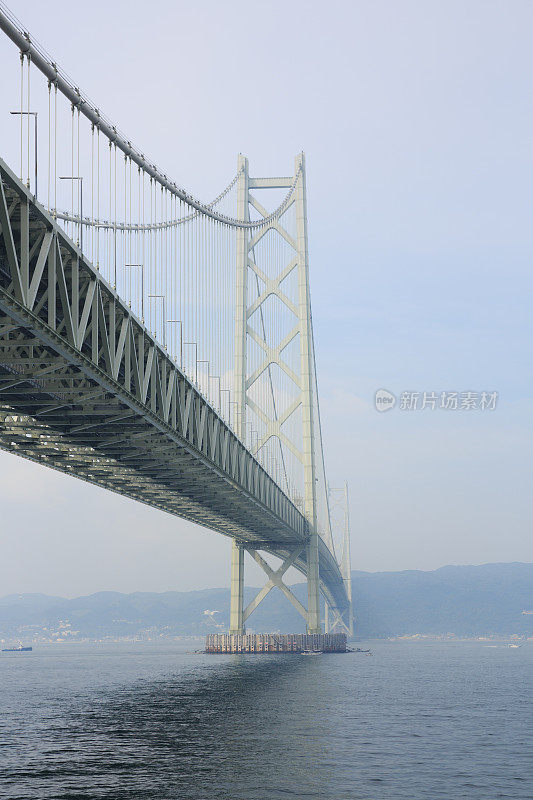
(482, 640)
(467, 603)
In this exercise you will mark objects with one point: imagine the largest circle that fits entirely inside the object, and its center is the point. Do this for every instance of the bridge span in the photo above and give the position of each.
(97, 313)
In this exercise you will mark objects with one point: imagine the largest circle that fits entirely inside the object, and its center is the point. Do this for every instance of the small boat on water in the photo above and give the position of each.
(19, 649)
(311, 653)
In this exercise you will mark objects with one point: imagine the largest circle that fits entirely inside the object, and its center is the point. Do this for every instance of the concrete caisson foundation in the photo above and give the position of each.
(220, 643)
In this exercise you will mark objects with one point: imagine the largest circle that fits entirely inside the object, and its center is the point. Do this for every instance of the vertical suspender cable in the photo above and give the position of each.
(49, 139)
(55, 150)
(97, 196)
(123, 261)
(182, 281)
(72, 171)
(92, 191)
(115, 219)
(21, 116)
(79, 184)
(143, 256)
(28, 117)
(164, 290)
(150, 243)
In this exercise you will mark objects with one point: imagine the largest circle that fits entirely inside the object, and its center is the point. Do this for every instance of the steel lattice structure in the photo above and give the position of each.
(88, 389)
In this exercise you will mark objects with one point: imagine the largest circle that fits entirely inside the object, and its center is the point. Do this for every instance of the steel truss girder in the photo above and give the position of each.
(83, 326)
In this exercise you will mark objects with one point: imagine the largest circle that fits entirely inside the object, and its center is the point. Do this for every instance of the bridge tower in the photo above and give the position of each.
(303, 380)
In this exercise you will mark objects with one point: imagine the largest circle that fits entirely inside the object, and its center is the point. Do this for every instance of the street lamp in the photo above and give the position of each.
(194, 344)
(217, 378)
(229, 403)
(34, 115)
(178, 321)
(161, 297)
(205, 361)
(80, 179)
(142, 286)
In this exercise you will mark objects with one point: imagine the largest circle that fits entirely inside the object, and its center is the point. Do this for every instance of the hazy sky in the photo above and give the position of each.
(416, 121)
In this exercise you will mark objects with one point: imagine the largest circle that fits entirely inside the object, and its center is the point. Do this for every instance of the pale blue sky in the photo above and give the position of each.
(416, 120)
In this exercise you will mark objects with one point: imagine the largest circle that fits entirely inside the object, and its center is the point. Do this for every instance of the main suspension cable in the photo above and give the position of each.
(13, 28)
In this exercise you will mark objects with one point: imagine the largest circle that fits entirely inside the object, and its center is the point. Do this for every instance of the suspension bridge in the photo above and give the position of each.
(161, 347)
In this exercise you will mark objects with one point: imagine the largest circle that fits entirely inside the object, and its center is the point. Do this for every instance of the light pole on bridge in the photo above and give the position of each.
(180, 323)
(195, 345)
(161, 297)
(217, 378)
(80, 224)
(229, 403)
(204, 361)
(33, 114)
(142, 286)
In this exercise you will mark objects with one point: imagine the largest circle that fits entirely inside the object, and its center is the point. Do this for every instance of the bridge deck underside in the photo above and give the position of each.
(85, 389)
(53, 413)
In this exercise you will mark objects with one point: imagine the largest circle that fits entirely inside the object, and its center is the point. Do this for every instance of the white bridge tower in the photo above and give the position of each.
(286, 411)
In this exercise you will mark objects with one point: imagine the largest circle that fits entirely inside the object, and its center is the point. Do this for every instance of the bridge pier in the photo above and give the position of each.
(224, 644)
(239, 614)
(236, 624)
(313, 586)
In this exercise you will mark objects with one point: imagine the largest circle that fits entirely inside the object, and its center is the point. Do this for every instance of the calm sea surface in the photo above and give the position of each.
(444, 720)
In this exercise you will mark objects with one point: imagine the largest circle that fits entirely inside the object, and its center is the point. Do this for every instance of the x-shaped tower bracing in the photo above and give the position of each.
(287, 414)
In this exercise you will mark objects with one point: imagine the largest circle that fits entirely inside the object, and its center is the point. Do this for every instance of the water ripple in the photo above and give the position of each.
(416, 722)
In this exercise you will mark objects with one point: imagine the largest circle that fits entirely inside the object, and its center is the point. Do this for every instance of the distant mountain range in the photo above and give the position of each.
(463, 601)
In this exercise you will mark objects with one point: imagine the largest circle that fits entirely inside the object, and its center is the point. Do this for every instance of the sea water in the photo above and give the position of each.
(414, 720)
